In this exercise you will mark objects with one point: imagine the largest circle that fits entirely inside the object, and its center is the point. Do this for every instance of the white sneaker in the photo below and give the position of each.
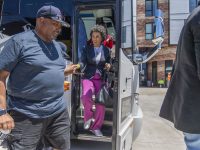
(97, 132)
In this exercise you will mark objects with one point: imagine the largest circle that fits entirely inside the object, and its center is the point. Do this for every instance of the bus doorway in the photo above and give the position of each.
(86, 19)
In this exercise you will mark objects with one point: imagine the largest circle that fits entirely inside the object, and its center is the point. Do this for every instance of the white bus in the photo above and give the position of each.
(123, 118)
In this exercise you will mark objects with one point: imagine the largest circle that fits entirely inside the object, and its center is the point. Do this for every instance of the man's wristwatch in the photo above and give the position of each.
(2, 111)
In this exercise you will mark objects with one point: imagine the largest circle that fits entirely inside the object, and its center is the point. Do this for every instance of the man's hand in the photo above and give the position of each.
(6, 122)
(71, 68)
(107, 66)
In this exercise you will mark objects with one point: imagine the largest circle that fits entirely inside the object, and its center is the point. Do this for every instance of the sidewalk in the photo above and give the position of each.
(152, 91)
(157, 133)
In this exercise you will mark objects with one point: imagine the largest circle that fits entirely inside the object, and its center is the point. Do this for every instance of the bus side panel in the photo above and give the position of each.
(125, 138)
(127, 87)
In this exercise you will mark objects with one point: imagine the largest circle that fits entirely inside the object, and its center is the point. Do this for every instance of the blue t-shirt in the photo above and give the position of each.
(35, 84)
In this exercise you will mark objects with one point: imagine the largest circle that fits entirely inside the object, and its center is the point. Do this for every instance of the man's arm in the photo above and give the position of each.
(6, 121)
(3, 77)
(70, 69)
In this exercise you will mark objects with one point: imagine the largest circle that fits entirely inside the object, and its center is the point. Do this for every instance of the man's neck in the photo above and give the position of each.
(40, 34)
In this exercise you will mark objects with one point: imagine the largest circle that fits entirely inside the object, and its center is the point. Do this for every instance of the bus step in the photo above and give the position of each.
(108, 115)
(108, 123)
(109, 109)
(93, 138)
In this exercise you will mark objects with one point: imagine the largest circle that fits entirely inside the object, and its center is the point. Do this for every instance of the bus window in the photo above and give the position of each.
(65, 37)
(18, 19)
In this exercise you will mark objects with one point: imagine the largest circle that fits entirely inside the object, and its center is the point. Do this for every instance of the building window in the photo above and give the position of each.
(168, 71)
(150, 7)
(149, 31)
(124, 34)
(192, 4)
(154, 72)
(168, 65)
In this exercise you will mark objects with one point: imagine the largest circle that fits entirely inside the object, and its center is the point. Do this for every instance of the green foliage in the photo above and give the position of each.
(161, 82)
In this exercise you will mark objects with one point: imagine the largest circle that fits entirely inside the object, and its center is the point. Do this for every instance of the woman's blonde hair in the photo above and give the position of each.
(100, 29)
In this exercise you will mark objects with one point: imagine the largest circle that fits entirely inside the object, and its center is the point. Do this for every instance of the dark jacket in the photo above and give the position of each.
(88, 63)
(182, 101)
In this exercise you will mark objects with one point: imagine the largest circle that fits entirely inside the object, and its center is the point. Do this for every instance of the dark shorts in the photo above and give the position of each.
(35, 134)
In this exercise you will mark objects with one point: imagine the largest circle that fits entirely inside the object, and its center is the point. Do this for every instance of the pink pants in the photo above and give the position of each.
(91, 86)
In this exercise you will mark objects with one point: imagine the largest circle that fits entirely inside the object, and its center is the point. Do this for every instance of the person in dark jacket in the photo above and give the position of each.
(95, 60)
(182, 101)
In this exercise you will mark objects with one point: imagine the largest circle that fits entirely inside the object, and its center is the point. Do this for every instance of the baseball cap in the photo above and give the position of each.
(53, 13)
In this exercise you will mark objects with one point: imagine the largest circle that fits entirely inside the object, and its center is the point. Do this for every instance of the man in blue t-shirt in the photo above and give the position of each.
(33, 61)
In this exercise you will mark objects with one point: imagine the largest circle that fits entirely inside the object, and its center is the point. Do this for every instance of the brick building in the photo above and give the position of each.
(174, 14)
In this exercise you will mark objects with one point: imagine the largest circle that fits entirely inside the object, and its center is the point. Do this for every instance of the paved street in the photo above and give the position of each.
(157, 133)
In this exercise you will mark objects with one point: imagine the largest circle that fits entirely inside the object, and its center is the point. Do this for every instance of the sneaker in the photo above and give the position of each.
(97, 132)
(87, 124)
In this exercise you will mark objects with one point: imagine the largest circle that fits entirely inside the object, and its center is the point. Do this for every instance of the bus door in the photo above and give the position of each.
(85, 17)
(129, 114)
